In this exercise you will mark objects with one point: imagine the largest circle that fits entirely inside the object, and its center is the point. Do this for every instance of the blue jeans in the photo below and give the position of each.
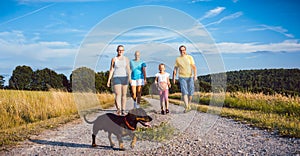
(187, 85)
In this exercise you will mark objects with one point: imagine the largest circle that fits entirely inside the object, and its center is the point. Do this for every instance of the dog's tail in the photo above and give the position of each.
(89, 122)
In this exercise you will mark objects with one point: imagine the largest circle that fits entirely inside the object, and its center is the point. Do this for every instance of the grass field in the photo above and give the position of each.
(23, 113)
(28, 112)
(273, 112)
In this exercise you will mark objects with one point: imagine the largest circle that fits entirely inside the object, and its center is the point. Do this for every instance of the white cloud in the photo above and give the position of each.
(285, 46)
(232, 16)
(278, 29)
(212, 13)
(54, 44)
(15, 45)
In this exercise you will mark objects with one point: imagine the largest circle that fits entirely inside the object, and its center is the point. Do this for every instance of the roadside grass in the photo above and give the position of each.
(160, 133)
(276, 113)
(23, 113)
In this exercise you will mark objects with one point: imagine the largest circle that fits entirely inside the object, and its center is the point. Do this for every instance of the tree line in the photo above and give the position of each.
(268, 81)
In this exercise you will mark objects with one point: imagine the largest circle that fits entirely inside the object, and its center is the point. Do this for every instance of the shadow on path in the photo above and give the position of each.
(69, 144)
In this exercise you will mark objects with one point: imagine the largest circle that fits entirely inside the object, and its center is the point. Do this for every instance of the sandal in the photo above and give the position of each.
(167, 111)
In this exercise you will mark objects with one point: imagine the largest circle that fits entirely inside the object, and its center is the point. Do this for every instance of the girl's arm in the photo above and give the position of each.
(169, 84)
(156, 80)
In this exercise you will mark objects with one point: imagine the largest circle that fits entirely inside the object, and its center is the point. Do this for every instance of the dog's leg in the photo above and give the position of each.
(121, 144)
(133, 142)
(110, 141)
(94, 140)
(95, 132)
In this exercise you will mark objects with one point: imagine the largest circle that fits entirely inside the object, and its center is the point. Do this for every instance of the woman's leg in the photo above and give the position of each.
(124, 97)
(118, 96)
(139, 94)
(133, 90)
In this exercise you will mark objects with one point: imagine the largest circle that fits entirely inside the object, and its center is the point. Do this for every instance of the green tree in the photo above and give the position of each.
(83, 80)
(65, 82)
(101, 81)
(268, 81)
(2, 82)
(46, 79)
(21, 78)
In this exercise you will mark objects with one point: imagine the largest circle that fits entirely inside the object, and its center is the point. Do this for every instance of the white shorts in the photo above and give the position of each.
(138, 82)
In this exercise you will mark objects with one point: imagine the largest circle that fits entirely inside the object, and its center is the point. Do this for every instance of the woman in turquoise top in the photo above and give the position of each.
(138, 78)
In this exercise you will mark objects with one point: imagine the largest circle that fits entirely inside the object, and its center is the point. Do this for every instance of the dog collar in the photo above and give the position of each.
(128, 125)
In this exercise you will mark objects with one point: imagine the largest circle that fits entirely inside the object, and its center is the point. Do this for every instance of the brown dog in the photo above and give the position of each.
(119, 125)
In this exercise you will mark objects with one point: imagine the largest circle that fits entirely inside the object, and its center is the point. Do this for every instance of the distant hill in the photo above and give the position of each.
(268, 81)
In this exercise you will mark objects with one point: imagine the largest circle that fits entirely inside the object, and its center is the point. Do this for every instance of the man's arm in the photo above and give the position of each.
(194, 68)
(174, 74)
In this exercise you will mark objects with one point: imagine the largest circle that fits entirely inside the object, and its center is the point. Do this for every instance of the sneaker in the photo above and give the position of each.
(162, 112)
(167, 111)
(136, 105)
(122, 112)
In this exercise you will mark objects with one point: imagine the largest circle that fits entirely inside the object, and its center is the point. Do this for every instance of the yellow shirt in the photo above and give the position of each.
(183, 63)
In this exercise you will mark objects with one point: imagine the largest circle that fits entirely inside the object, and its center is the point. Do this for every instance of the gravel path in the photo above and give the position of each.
(196, 134)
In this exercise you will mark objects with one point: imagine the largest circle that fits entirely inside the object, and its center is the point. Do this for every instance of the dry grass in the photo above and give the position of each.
(19, 109)
(274, 112)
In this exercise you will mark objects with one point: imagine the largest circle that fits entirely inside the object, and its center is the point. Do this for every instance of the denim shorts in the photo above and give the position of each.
(187, 85)
(120, 80)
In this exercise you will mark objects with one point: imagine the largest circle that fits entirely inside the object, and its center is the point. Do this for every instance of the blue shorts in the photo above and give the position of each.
(187, 86)
(120, 80)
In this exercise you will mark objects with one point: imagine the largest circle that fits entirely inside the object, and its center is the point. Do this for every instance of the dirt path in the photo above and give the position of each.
(196, 134)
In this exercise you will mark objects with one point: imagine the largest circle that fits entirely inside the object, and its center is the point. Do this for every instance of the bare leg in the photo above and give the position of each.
(190, 101)
(118, 96)
(139, 94)
(124, 96)
(186, 101)
(133, 89)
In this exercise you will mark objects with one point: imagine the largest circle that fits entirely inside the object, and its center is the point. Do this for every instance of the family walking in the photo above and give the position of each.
(122, 71)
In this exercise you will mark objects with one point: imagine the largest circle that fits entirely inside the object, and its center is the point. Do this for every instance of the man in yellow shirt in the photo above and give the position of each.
(187, 75)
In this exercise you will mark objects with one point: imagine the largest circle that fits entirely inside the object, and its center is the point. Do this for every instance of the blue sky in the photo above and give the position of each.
(64, 34)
